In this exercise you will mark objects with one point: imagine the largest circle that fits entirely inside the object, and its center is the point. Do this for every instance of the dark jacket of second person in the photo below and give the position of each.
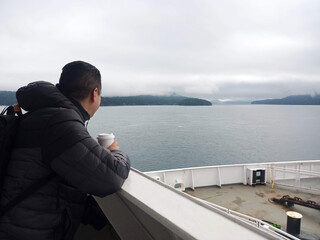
(53, 137)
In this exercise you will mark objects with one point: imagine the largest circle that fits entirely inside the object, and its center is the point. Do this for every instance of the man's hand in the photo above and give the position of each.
(114, 146)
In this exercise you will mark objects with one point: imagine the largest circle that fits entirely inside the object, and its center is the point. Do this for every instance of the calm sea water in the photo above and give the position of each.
(165, 137)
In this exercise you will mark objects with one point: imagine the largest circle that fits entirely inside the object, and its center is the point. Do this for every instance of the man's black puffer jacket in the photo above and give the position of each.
(53, 137)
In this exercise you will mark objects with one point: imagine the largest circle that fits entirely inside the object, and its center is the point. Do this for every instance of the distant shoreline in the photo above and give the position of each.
(9, 98)
(292, 100)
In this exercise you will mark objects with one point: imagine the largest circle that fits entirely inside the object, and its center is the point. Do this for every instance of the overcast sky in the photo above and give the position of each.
(230, 49)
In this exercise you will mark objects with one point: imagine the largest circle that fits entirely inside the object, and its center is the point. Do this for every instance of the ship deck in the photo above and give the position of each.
(255, 202)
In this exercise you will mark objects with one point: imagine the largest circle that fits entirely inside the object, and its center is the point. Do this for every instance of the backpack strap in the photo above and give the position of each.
(12, 110)
(31, 189)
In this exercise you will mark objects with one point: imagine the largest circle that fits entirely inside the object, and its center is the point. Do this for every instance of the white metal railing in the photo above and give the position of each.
(295, 178)
(304, 172)
(236, 173)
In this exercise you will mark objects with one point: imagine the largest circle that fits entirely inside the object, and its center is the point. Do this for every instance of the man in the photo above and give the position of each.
(53, 138)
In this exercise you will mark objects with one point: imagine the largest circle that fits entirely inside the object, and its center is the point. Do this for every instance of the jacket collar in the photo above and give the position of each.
(85, 115)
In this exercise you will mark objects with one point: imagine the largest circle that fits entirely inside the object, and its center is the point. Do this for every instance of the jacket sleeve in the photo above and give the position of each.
(78, 158)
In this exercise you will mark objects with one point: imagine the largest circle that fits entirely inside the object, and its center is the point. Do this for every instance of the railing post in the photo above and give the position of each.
(219, 177)
(192, 180)
(244, 176)
(297, 181)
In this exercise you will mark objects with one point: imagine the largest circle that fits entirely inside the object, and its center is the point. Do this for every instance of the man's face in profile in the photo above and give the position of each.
(97, 100)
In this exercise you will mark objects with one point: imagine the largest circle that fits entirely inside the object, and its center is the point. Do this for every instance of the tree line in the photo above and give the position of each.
(9, 98)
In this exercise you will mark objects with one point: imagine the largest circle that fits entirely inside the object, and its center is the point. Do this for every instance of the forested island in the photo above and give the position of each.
(8, 98)
(153, 100)
(292, 100)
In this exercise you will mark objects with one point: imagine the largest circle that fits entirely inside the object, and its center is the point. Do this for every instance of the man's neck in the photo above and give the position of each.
(82, 108)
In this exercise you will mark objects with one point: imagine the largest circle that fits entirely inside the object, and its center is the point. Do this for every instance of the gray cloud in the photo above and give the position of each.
(212, 49)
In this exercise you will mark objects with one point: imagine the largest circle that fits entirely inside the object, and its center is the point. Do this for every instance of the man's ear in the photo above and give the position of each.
(94, 95)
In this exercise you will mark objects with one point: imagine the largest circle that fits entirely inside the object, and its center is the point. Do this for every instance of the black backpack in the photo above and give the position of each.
(10, 118)
(9, 121)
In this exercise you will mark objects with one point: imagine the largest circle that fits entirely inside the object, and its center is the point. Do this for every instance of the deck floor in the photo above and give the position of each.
(254, 201)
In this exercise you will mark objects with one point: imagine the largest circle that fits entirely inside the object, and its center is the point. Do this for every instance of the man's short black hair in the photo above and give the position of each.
(78, 79)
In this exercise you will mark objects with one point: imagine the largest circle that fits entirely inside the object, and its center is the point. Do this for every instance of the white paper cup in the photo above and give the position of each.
(105, 139)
